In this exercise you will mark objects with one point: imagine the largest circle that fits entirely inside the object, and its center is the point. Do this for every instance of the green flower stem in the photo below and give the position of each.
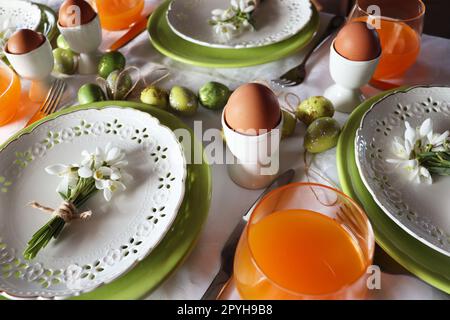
(43, 236)
(435, 162)
(84, 189)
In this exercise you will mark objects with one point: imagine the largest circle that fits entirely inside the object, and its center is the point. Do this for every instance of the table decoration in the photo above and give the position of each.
(109, 62)
(155, 96)
(65, 61)
(168, 43)
(234, 20)
(15, 20)
(120, 83)
(118, 235)
(252, 122)
(422, 153)
(424, 262)
(115, 81)
(204, 22)
(214, 95)
(313, 108)
(183, 101)
(100, 170)
(321, 135)
(32, 59)
(354, 56)
(420, 209)
(83, 34)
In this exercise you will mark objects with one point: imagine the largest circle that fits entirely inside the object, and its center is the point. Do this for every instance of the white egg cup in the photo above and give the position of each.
(256, 157)
(85, 39)
(37, 66)
(349, 76)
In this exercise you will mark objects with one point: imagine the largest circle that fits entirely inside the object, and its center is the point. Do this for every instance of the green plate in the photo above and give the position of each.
(181, 238)
(171, 45)
(426, 263)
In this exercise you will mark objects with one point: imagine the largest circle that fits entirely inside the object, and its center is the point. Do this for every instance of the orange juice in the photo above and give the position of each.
(119, 14)
(400, 47)
(300, 251)
(9, 94)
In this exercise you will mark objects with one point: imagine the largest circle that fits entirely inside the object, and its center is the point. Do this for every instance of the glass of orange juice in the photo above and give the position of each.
(119, 14)
(399, 24)
(304, 241)
(10, 90)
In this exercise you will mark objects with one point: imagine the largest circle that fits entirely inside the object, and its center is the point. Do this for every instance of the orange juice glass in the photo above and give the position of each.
(399, 24)
(305, 241)
(119, 14)
(10, 90)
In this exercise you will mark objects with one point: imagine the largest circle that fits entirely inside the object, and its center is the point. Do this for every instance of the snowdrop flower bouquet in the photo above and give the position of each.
(422, 152)
(231, 22)
(102, 170)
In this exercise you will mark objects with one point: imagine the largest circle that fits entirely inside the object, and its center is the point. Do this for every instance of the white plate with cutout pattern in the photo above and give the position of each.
(16, 14)
(120, 233)
(420, 209)
(275, 21)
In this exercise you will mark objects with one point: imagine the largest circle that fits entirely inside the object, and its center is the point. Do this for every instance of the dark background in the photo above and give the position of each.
(437, 16)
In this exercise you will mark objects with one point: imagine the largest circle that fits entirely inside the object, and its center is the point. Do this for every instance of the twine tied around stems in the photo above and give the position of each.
(66, 211)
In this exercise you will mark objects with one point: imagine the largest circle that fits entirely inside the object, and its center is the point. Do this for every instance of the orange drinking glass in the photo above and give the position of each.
(10, 90)
(399, 24)
(304, 241)
(119, 14)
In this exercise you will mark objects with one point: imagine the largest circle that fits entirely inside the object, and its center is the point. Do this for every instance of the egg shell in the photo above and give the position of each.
(24, 41)
(252, 109)
(68, 13)
(357, 42)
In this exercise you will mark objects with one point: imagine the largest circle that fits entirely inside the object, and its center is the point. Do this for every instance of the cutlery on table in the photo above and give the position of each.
(134, 31)
(297, 75)
(227, 255)
(51, 102)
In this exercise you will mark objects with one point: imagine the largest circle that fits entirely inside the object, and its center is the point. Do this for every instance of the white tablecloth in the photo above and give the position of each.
(194, 276)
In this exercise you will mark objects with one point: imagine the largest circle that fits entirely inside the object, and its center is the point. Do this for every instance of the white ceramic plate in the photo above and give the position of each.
(275, 21)
(119, 234)
(422, 210)
(15, 14)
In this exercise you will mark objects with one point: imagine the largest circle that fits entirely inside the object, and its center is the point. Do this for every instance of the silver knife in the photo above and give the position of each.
(227, 256)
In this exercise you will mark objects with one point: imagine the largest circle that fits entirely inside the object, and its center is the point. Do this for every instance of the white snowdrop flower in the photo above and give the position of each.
(69, 175)
(217, 12)
(426, 128)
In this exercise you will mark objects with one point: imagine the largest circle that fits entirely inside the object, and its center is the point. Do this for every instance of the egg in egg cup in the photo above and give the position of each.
(349, 77)
(35, 65)
(85, 39)
(256, 160)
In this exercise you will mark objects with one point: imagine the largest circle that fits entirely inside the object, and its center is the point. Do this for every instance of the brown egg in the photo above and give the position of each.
(24, 41)
(68, 13)
(253, 107)
(357, 42)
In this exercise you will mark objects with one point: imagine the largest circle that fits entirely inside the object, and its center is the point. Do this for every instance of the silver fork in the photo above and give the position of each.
(297, 75)
(51, 102)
